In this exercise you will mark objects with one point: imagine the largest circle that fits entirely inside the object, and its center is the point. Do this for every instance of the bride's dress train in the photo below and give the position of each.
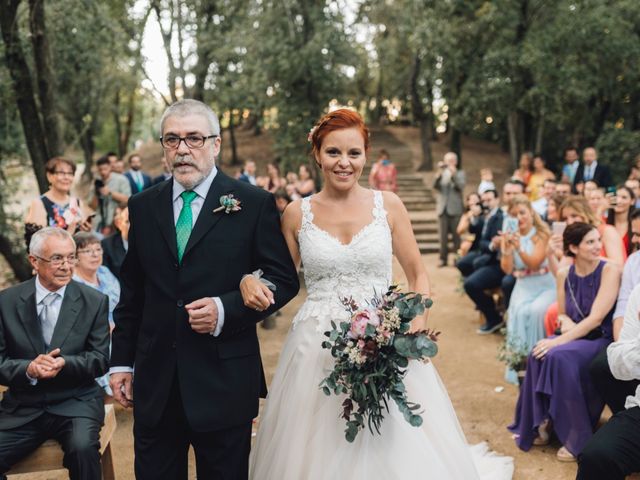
(301, 436)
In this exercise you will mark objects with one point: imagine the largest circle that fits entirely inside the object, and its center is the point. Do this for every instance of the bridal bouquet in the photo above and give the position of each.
(372, 352)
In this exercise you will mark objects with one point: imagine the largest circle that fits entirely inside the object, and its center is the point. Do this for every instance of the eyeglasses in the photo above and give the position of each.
(191, 141)
(63, 174)
(91, 251)
(57, 261)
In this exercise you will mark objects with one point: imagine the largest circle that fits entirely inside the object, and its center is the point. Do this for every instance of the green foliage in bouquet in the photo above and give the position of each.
(372, 351)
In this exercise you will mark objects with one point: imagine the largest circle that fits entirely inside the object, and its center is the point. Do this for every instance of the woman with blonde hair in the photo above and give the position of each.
(524, 251)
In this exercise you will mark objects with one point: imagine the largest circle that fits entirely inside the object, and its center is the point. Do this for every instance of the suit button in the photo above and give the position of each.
(180, 304)
(176, 266)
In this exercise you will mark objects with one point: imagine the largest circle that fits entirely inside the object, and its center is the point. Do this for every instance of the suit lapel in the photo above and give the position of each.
(207, 218)
(164, 216)
(28, 315)
(68, 316)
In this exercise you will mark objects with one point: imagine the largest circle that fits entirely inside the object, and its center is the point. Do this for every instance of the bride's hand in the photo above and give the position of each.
(255, 294)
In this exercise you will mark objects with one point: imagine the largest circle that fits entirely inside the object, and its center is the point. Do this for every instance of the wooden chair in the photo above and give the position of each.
(49, 455)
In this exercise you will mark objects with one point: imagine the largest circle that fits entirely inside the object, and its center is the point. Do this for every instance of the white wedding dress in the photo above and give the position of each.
(300, 433)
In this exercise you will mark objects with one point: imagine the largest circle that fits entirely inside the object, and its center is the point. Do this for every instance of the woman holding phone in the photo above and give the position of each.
(524, 254)
(622, 206)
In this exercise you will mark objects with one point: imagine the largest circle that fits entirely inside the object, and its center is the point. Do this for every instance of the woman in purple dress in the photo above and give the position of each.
(557, 391)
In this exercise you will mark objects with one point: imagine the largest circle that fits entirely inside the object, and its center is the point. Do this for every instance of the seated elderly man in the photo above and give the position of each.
(614, 451)
(54, 342)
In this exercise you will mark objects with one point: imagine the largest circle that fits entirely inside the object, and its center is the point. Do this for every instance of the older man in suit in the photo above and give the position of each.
(449, 183)
(181, 320)
(54, 342)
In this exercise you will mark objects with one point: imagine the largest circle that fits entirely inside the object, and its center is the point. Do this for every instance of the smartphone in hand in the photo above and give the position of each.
(510, 225)
(557, 228)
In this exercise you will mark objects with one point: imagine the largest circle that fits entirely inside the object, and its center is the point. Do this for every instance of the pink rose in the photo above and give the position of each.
(360, 320)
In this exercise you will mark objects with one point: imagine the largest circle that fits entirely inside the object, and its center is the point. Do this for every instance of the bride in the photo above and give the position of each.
(345, 237)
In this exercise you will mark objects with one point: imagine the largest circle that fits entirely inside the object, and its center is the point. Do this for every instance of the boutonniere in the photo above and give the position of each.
(229, 204)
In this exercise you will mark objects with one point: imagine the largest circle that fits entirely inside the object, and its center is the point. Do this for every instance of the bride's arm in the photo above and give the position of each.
(256, 294)
(406, 250)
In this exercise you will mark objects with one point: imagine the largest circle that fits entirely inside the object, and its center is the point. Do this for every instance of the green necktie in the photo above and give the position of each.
(185, 222)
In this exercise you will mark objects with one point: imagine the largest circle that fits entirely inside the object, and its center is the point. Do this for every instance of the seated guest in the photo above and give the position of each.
(54, 342)
(509, 191)
(165, 175)
(115, 246)
(633, 184)
(588, 187)
(525, 167)
(591, 170)
(557, 392)
(523, 255)
(573, 210)
(486, 181)
(553, 209)
(620, 214)
(548, 190)
(539, 174)
(249, 172)
(91, 272)
(597, 202)
(563, 189)
(305, 185)
(470, 229)
(484, 271)
(613, 452)
(614, 391)
(138, 180)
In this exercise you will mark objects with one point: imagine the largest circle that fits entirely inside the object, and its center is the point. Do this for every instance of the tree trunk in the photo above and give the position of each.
(125, 137)
(117, 122)
(45, 78)
(512, 128)
(539, 134)
(88, 149)
(23, 90)
(422, 117)
(455, 144)
(12, 250)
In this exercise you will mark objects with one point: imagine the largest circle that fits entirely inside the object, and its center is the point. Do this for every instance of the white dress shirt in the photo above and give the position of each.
(589, 171)
(630, 278)
(41, 292)
(624, 355)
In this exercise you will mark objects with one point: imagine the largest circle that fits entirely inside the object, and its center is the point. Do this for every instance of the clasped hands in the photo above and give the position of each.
(46, 366)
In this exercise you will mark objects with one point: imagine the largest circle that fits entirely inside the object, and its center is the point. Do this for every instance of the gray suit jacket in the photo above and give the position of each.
(449, 197)
(81, 333)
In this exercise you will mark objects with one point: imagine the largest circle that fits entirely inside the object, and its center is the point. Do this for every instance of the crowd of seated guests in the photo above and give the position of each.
(566, 254)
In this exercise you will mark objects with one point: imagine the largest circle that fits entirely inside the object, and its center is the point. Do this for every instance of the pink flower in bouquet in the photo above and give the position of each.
(360, 320)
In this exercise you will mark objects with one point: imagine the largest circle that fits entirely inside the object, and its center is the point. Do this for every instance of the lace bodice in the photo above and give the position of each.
(332, 269)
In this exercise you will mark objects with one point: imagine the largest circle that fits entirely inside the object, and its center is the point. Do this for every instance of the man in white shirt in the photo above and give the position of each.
(612, 390)
(614, 451)
(540, 206)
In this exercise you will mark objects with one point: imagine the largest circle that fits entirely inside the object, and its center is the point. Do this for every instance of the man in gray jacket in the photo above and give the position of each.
(449, 183)
(54, 342)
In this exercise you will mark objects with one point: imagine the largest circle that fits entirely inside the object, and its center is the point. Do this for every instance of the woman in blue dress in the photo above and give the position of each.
(524, 250)
(91, 272)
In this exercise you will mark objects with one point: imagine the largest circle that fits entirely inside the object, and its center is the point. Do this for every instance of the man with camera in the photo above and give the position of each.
(449, 183)
(111, 190)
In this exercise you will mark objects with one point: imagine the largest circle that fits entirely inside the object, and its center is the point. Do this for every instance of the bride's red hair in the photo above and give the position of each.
(338, 120)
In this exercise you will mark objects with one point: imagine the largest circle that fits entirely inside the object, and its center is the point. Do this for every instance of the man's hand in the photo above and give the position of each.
(46, 366)
(496, 241)
(203, 315)
(104, 191)
(121, 384)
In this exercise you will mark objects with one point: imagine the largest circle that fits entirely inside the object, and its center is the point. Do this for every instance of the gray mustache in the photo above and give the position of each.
(184, 160)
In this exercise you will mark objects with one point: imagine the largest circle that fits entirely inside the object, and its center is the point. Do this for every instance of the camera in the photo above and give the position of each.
(98, 183)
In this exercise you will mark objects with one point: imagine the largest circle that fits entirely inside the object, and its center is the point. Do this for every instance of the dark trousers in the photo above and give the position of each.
(614, 451)
(506, 285)
(162, 451)
(79, 438)
(448, 225)
(475, 284)
(466, 264)
(613, 391)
